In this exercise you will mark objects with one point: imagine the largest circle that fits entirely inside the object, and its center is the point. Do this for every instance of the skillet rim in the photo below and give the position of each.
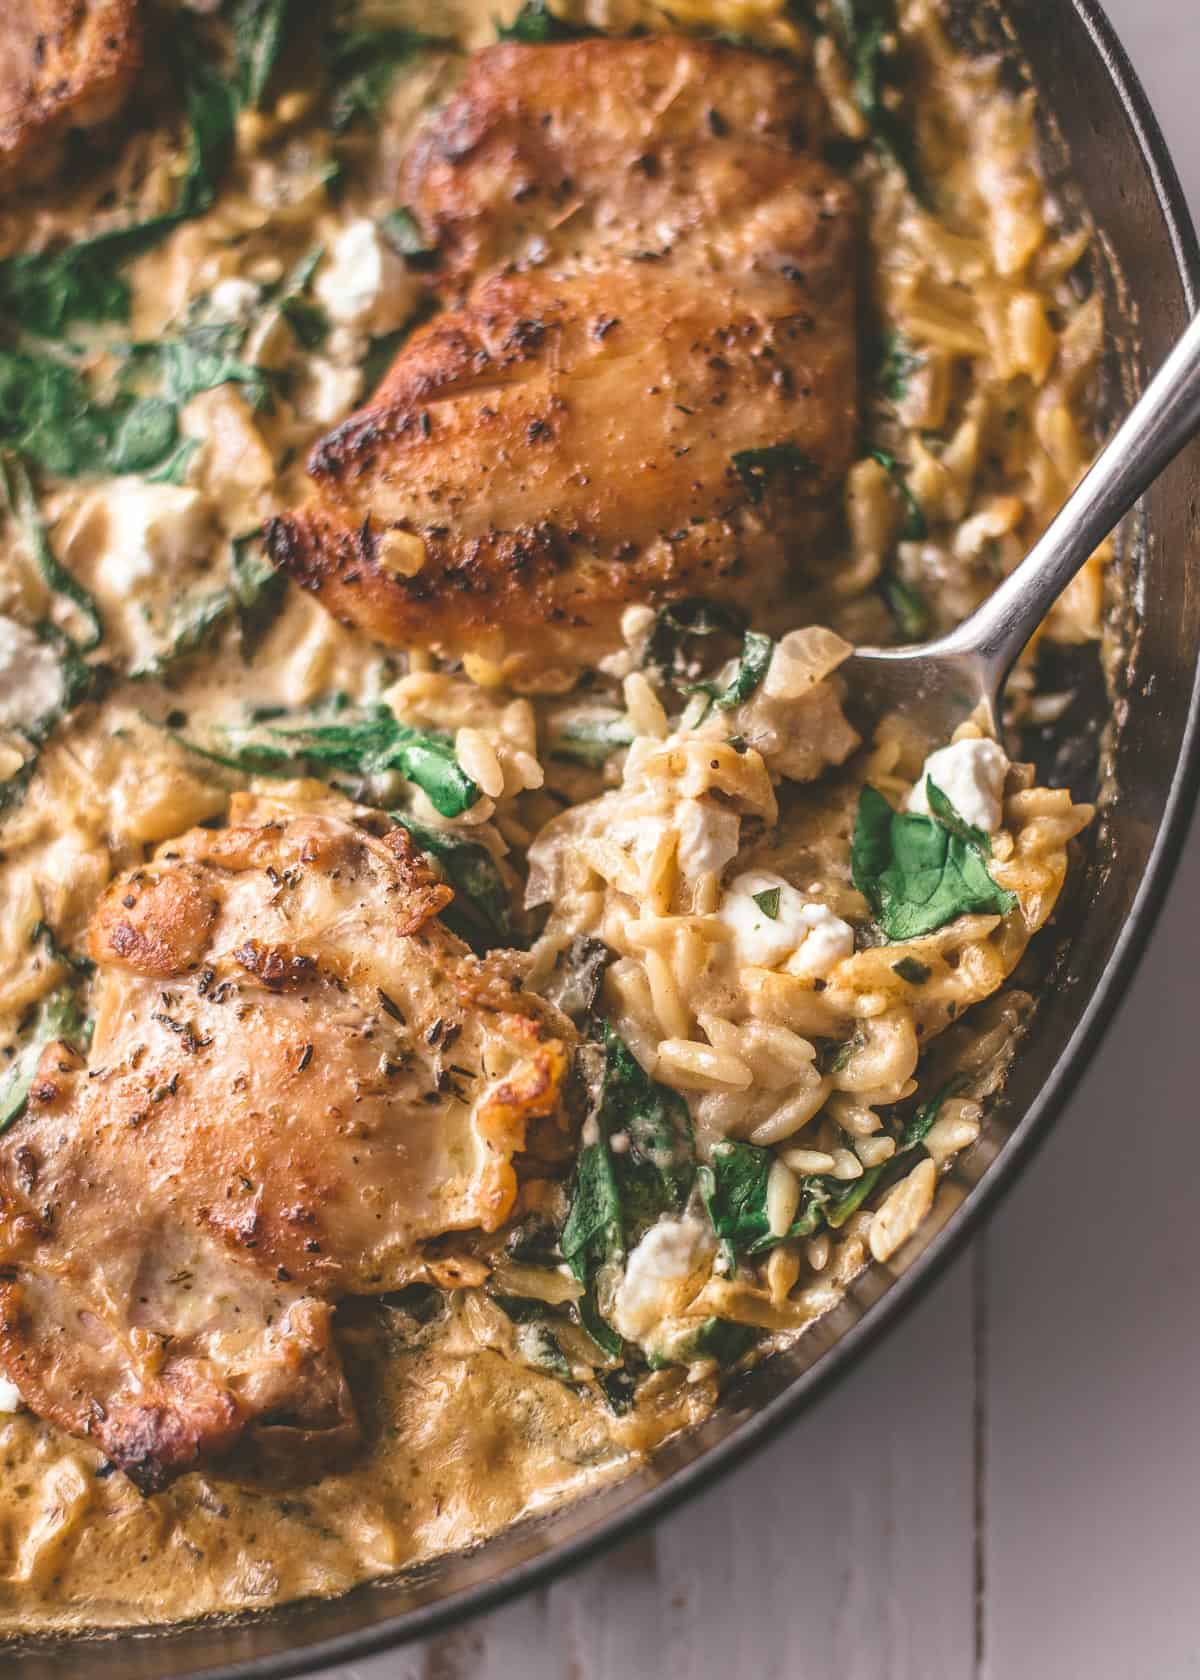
(903, 1294)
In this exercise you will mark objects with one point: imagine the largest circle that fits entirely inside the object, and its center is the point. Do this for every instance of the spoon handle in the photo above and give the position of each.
(1165, 418)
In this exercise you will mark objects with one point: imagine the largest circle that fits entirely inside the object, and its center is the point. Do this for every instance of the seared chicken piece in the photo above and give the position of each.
(654, 397)
(66, 64)
(297, 1077)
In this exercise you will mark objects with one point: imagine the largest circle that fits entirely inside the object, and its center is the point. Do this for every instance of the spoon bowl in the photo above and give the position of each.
(940, 684)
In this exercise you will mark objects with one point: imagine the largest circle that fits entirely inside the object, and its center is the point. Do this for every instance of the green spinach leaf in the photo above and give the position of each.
(733, 1188)
(759, 469)
(43, 291)
(752, 667)
(21, 503)
(915, 527)
(536, 25)
(259, 31)
(590, 737)
(481, 912)
(919, 872)
(58, 1017)
(907, 606)
(362, 66)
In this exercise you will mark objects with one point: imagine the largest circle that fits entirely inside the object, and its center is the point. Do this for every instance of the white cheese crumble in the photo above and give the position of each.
(708, 837)
(31, 684)
(971, 775)
(151, 529)
(329, 392)
(772, 921)
(233, 300)
(10, 1398)
(668, 1257)
(364, 283)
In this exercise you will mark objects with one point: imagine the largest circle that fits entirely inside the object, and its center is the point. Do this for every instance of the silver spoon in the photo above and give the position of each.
(940, 684)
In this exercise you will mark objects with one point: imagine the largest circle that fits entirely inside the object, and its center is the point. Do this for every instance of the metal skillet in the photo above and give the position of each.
(1101, 120)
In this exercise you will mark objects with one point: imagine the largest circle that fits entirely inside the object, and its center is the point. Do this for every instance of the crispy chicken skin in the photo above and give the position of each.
(66, 64)
(647, 271)
(297, 1077)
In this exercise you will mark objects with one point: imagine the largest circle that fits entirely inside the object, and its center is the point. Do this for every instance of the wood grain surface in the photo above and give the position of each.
(1009, 1488)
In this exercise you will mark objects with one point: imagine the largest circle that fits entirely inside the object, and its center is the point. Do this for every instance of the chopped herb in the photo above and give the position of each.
(481, 912)
(536, 25)
(44, 934)
(908, 968)
(869, 33)
(758, 469)
(715, 1338)
(676, 625)
(58, 1017)
(908, 607)
(768, 902)
(919, 872)
(258, 591)
(381, 354)
(914, 528)
(897, 364)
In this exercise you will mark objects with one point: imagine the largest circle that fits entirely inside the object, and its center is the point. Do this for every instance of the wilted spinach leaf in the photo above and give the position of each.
(58, 1017)
(908, 607)
(914, 528)
(259, 29)
(481, 912)
(733, 1187)
(43, 291)
(919, 872)
(590, 737)
(21, 503)
(759, 469)
(536, 25)
(362, 65)
(364, 743)
(752, 667)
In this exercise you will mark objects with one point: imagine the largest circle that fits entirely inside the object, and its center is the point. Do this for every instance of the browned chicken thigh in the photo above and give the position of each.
(297, 1077)
(66, 64)
(642, 384)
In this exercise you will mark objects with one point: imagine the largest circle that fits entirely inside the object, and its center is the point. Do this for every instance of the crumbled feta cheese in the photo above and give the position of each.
(10, 1398)
(829, 941)
(151, 529)
(668, 1257)
(31, 683)
(971, 775)
(771, 920)
(233, 300)
(708, 837)
(329, 392)
(364, 283)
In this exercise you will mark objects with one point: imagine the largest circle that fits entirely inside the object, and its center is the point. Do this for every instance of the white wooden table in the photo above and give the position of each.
(1010, 1487)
